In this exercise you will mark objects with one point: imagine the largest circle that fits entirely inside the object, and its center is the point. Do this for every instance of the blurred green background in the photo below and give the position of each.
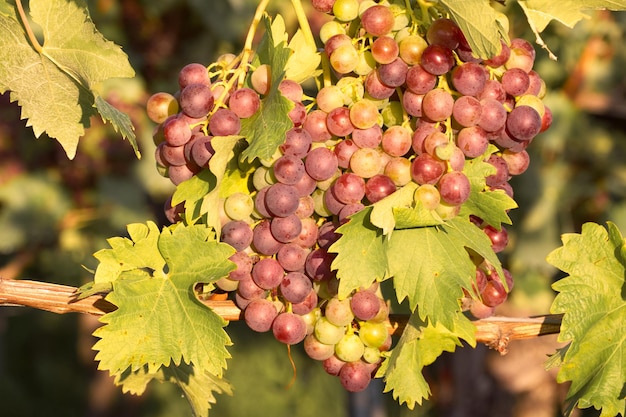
(55, 213)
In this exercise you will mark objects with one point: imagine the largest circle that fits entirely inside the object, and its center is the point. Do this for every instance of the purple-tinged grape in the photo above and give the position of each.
(224, 122)
(176, 132)
(517, 162)
(502, 171)
(295, 287)
(523, 123)
(333, 365)
(173, 213)
(193, 73)
(201, 150)
(493, 115)
(306, 207)
(499, 238)
(291, 90)
(244, 102)
(480, 310)
(546, 120)
(437, 105)
(377, 20)
(308, 235)
(338, 122)
(367, 138)
(332, 203)
(467, 111)
(321, 163)
(437, 59)
(323, 6)
(327, 235)
(420, 81)
(335, 42)
(364, 114)
(385, 49)
(243, 263)
(282, 200)
(473, 141)
(317, 265)
(344, 150)
(399, 171)
(260, 314)
(196, 100)
(173, 155)
(250, 290)
(267, 273)
(494, 293)
(180, 173)
(426, 169)
(307, 306)
(454, 188)
(435, 140)
(364, 305)
(289, 328)
(469, 79)
(288, 169)
(297, 143)
(397, 141)
(366, 162)
(515, 81)
(412, 103)
(348, 210)
(237, 234)
(379, 187)
(349, 188)
(297, 115)
(422, 131)
(317, 350)
(355, 376)
(494, 90)
(444, 32)
(315, 126)
(501, 58)
(263, 240)
(286, 229)
(292, 257)
(376, 88)
(537, 86)
(394, 73)
(305, 187)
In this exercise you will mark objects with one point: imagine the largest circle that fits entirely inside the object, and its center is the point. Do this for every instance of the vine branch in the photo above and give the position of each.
(496, 332)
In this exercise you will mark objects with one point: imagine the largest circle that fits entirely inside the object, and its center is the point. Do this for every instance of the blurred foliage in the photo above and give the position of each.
(55, 213)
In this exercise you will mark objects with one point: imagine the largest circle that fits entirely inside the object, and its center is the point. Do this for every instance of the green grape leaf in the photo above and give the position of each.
(159, 321)
(540, 13)
(120, 122)
(57, 85)
(418, 216)
(491, 206)
(478, 22)
(420, 344)
(361, 253)
(383, 210)
(139, 253)
(593, 300)
(430, 266)
(198, 387)
(266, 129)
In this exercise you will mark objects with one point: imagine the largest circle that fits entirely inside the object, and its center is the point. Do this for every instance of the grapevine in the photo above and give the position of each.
(321, 182)
(405, 120)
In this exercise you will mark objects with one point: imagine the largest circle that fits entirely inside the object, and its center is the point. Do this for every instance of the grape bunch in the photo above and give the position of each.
(406, 103)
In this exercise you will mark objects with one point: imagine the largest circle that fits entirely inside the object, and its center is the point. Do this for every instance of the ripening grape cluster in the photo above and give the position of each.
(408, 103)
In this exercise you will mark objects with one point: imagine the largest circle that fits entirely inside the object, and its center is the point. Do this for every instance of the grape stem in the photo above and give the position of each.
(496, 332)
(29, 31)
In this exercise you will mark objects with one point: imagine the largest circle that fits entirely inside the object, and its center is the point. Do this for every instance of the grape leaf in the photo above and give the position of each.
(569, 12)
(383, 210)
(158, 320)
(430, 266)
(361, 253)
(198, 387)
(490, 205)
(266, 129)
(120, 121)
(478, 22)
(419, 346)
(593, 300)
(56, 87)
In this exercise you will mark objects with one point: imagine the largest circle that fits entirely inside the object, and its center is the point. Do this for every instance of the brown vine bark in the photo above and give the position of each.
(496, 332)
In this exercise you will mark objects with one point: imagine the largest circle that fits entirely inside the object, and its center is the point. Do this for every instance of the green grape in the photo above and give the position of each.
(350, 348)
(371, 355)
(346, 10)
(373, 334)
(239, 206)
(328, 333)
